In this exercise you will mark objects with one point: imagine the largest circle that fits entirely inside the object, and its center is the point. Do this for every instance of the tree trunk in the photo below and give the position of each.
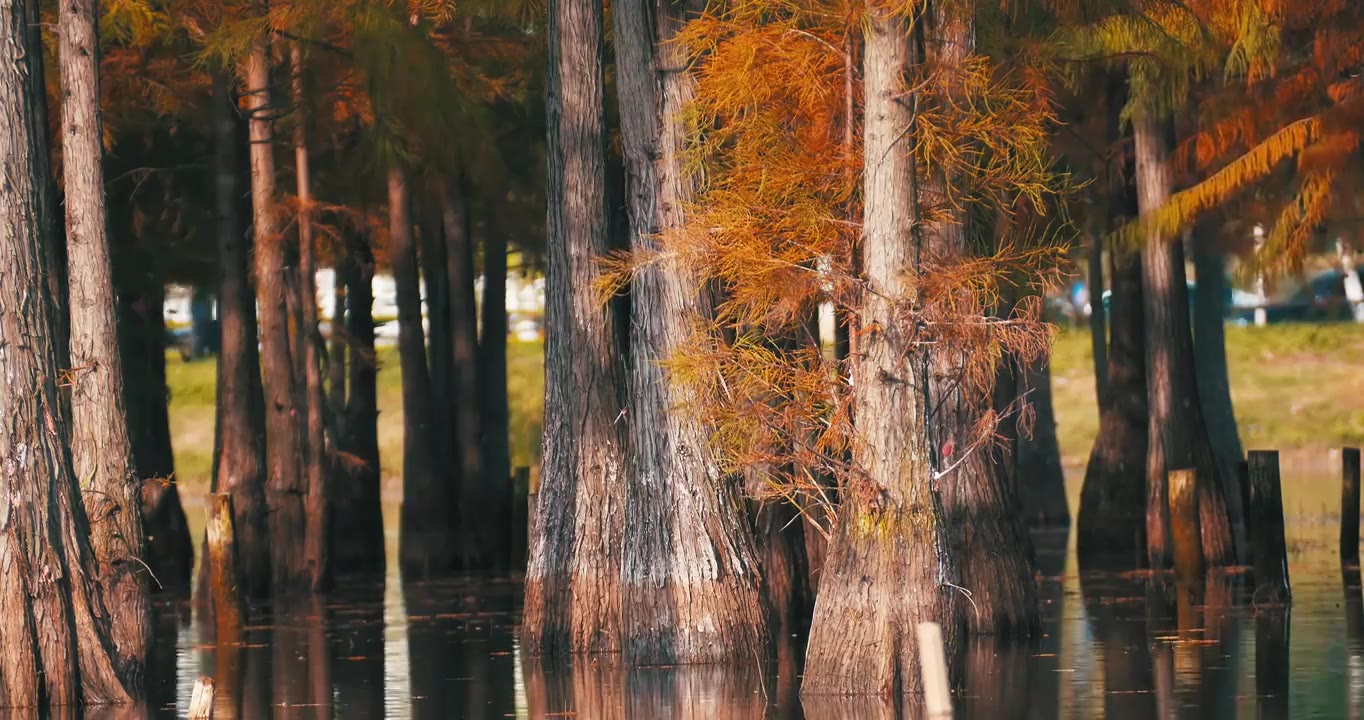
(1098, 332)
(485, 499)
(573, 578)
(440, 355)
(492, 364)
(1111, 518)
(316, 551)
(691, 582)
(101, 455)
(989, 540)
(1041, 492)
(240, 457)
(426, 544)
(1210, 362)
(358, 520)
(285, 486)
(888, 564)
(336, 353)
(1177, 436)
(53, 627)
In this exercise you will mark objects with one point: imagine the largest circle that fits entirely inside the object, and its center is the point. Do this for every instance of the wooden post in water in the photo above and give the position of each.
(1349, 507)
(1185, 538)
(933, 667)
(1266, 513)
(228, 605)
(1243, 477)
(201, 702)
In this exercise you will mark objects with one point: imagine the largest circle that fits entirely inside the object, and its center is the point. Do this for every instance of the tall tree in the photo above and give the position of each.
(573, 578)
(58, 645)
(239, 458)
(426, 544)
(691, 579)
(1210, 350)
(493, 411)
(316, 548)
(101, 455)
(888, 560)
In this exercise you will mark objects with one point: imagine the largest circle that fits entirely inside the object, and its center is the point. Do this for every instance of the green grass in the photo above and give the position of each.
(192, 388)
(1295, 388)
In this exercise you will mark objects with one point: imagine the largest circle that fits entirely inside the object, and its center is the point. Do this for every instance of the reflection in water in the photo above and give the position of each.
(460, 648)
(1271, 663)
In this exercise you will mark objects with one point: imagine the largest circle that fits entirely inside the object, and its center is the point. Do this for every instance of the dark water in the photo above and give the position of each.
(1121, 646)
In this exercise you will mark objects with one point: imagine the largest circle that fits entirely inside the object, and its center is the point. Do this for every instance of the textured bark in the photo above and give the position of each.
(989, 541)
(1111, 518)
(494, 413)
(485, 498)
(1210, 362)
(101, 454)
(53, 628)
(240, 456)
(316, 550)
(358, 521)
(780, 537)
(888, 566)
(1041, 479)
(1177, 436)
(573, 578)
(285, 486)
(426, 544)
(691, 582)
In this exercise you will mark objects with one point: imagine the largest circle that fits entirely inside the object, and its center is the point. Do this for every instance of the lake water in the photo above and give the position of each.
(1112, 647)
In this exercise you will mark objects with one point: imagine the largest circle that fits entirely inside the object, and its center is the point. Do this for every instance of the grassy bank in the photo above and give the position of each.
(1295, 388)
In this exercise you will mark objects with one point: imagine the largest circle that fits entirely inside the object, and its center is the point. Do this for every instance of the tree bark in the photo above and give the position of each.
(691, 583)
(1098, 319)
(336, 353)
(1177, 436)
(358, 521)
(58, 648)
(492, 364)
(440, 354)
(888, 563)
(285, 485)
(101, 454)
(1111, 518)
(573, 579)
(485, 499)
(426, 543)
(317, 506)
(989, 540)
(1041, 492)
(1210, 361)
(240, 456)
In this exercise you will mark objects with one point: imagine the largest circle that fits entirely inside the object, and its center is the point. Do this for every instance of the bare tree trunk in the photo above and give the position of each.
(358, 521)
(426, 544)
(1041, 492)
(1177, 435)
(1098, 332)
(285, 486)
(888, 564)
(440, 354)
(336, 353)
(1111, 518)
(989, 540)
(1210, 361)
(691, 583)
(316, 550)
(485, 499)
(494, 413)
(53, 628)
(101, 454)
(240, 457)
(573, 578)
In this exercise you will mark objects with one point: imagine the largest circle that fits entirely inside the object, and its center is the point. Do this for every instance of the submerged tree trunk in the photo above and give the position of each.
(1177, 436)
(1111, 518)
(240, 456)
(484, 498)
(573, 579)
(888, 563)
(1210, 359)
(316, 555)
(691, 582)
(426, 542)
(357, 520)
(285, 485)
(990, 543)
(53, 627)
(101, 455)
(1041, 492)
